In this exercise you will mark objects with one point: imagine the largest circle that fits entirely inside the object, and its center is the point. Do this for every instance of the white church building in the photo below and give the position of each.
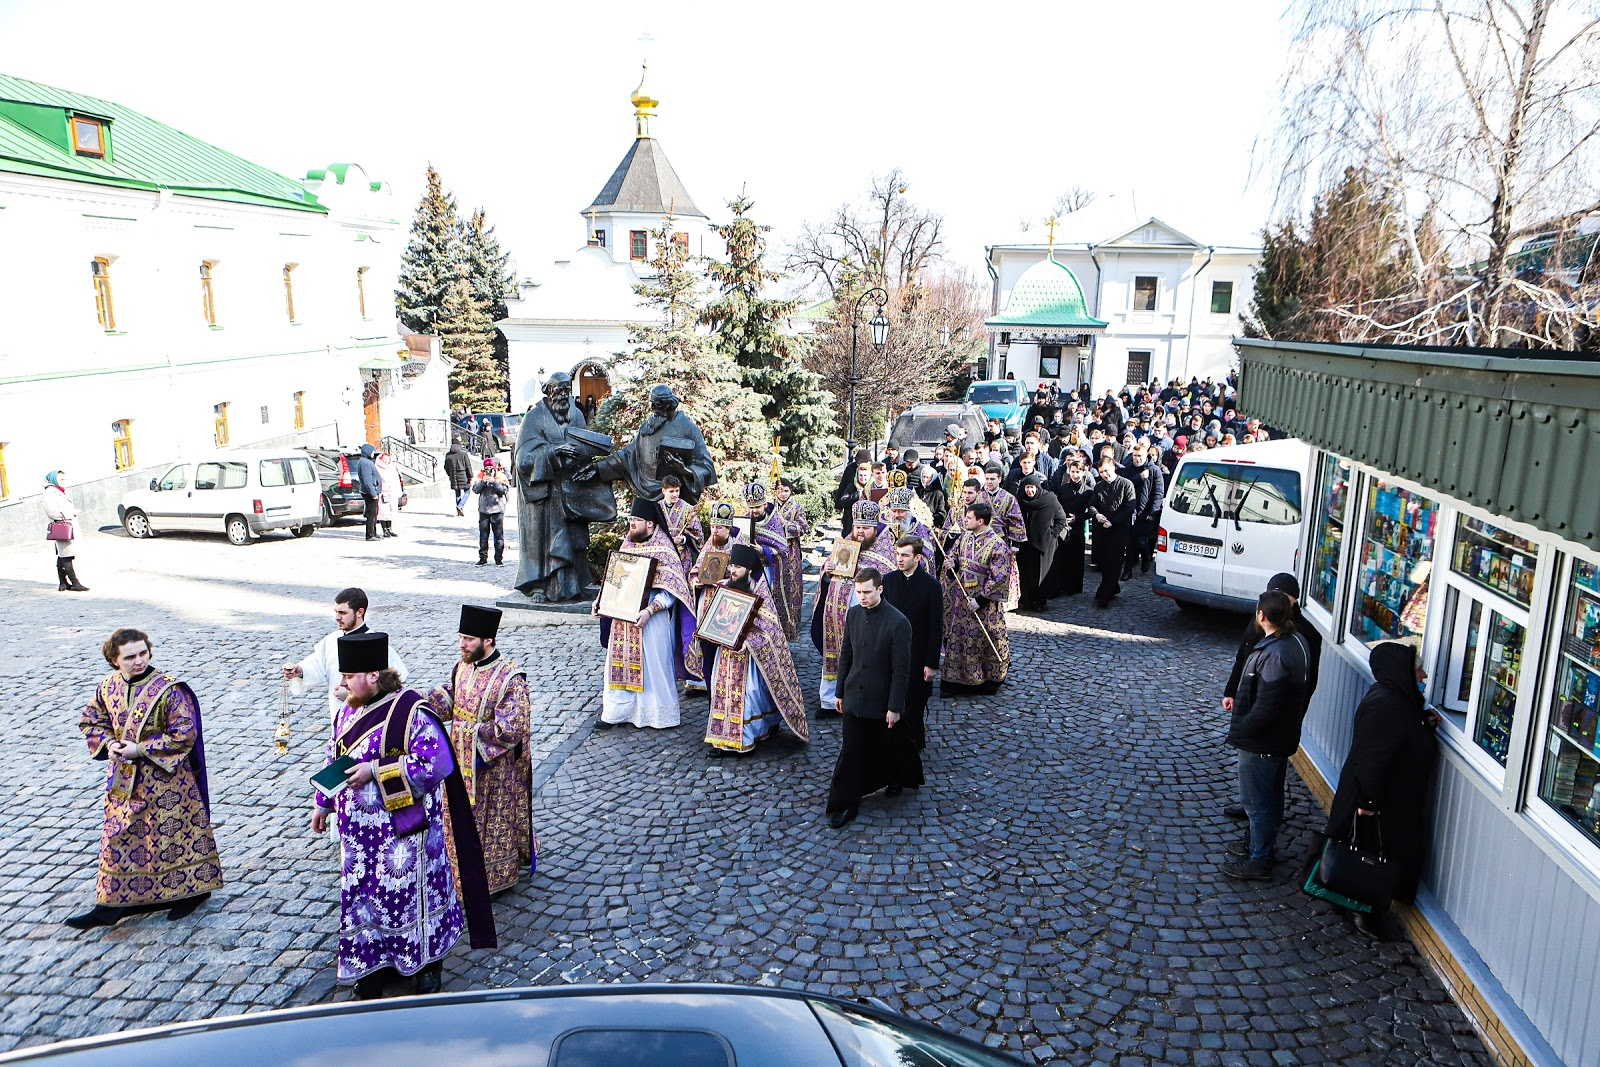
(577, 315)
(1122, 302)
(168, 298)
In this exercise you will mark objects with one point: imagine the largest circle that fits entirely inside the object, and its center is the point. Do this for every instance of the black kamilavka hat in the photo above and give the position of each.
(363, 653)
(479, 622)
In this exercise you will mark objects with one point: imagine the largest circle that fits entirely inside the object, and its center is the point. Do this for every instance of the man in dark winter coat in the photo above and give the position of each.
(1289, 586)
(458, 468)
(1112, 511)
(920, 598)
(1385, 776)
(1149, 481)
(874, 672)
(1267, 713)
(365, 472)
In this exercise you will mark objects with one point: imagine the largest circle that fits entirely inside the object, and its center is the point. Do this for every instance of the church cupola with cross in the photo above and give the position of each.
(641, 192)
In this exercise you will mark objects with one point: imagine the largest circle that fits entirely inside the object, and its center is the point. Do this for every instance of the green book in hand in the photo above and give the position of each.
(331, 780)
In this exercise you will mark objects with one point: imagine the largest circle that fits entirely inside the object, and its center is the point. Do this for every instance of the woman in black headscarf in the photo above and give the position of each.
(1391, 757)
(1045, 522)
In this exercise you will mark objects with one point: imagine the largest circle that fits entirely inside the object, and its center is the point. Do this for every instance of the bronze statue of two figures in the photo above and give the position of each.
(564, 475)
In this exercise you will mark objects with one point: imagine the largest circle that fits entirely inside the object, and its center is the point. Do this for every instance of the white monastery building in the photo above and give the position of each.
(1121, 304)
(167, 298)
(577, 316)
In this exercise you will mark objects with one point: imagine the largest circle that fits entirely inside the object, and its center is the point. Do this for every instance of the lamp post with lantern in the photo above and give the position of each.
(880, 336)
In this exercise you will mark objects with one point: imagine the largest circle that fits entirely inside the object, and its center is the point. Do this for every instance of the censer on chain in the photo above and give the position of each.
(280, 736)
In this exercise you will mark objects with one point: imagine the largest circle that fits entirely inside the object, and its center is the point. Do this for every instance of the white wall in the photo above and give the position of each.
(703, 241)
(64, 379)
(1182, 336)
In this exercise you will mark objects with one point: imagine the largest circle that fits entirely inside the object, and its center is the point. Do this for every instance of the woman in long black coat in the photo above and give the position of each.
(1045, 522)
(1391, 757)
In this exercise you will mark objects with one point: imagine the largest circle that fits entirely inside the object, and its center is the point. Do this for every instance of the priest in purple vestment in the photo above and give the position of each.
(399, 913)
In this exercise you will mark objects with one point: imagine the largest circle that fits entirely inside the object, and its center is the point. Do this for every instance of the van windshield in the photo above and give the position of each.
(1268, 495)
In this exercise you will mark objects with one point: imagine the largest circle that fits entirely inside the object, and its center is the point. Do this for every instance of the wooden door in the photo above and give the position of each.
(369, 410)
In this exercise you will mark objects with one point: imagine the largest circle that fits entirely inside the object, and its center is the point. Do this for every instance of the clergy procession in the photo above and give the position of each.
(426, 784)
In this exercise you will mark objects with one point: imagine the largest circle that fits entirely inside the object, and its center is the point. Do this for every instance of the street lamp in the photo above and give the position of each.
(880, 336)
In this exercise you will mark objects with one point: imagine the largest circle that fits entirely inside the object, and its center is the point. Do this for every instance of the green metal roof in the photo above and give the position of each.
(1514, 432)
(143, 153)
(1047, 296)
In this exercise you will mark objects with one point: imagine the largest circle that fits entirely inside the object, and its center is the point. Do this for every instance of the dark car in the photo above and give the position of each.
(922, 426)
(594, 1026)
(505, 428)
(341, 497)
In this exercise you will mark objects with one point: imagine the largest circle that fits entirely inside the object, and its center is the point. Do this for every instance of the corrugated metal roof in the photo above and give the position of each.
(144, 154)
(1512, 432)
(644, 181)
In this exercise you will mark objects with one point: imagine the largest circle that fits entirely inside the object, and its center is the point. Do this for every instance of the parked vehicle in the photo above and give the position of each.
(241, 493)
(596, 1026)
(1233, 518)
(921, 426)
(505, 427)
(340, 494)
(1002, 399)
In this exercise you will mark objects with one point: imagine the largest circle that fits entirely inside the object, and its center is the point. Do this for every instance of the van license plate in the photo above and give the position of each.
(1188, 548)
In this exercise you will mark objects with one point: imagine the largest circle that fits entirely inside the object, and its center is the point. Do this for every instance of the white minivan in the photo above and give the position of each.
(1233, 518)
(241, 493)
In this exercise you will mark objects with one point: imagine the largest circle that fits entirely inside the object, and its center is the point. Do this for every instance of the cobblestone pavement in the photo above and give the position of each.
(1053, 890)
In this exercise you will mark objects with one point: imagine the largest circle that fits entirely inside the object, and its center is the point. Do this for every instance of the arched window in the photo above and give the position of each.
(100, 268)
(208, 295)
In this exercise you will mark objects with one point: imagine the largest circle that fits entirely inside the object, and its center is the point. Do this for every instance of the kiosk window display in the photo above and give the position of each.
(1494, 559)
(1394, 565)
(1333, 503)
(1571, 780)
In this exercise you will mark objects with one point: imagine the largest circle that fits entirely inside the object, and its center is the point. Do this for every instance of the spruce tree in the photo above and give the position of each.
(749, 329)
(428, 265)
(466, 335)
(489, 268)
(671, 351)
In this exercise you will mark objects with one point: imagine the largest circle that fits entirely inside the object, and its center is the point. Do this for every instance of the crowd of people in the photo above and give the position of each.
(429, 789)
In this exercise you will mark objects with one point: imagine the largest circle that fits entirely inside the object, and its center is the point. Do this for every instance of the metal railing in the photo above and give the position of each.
(429, 433)
(422, 466)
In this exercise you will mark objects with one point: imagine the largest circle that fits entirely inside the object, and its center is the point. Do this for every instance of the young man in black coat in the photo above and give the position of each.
(458, 468)
(1112, 513)
(918, 596)
(1287, 584)
(1265, 729)
(874, 672)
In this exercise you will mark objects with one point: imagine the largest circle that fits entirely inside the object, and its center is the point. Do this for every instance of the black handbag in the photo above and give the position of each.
(1355, 870)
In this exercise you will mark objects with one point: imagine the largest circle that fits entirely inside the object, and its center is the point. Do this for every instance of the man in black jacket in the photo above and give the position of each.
(1112, 511)
(1149, 482)
(1267, 713)
(874, 673)
(1289, 586)
(458, 468)
(918, 596)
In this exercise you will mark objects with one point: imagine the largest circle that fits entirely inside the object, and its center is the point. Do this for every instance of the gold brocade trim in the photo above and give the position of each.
(392, 786)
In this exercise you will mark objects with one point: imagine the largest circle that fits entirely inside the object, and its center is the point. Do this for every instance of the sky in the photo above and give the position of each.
(989, 110)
